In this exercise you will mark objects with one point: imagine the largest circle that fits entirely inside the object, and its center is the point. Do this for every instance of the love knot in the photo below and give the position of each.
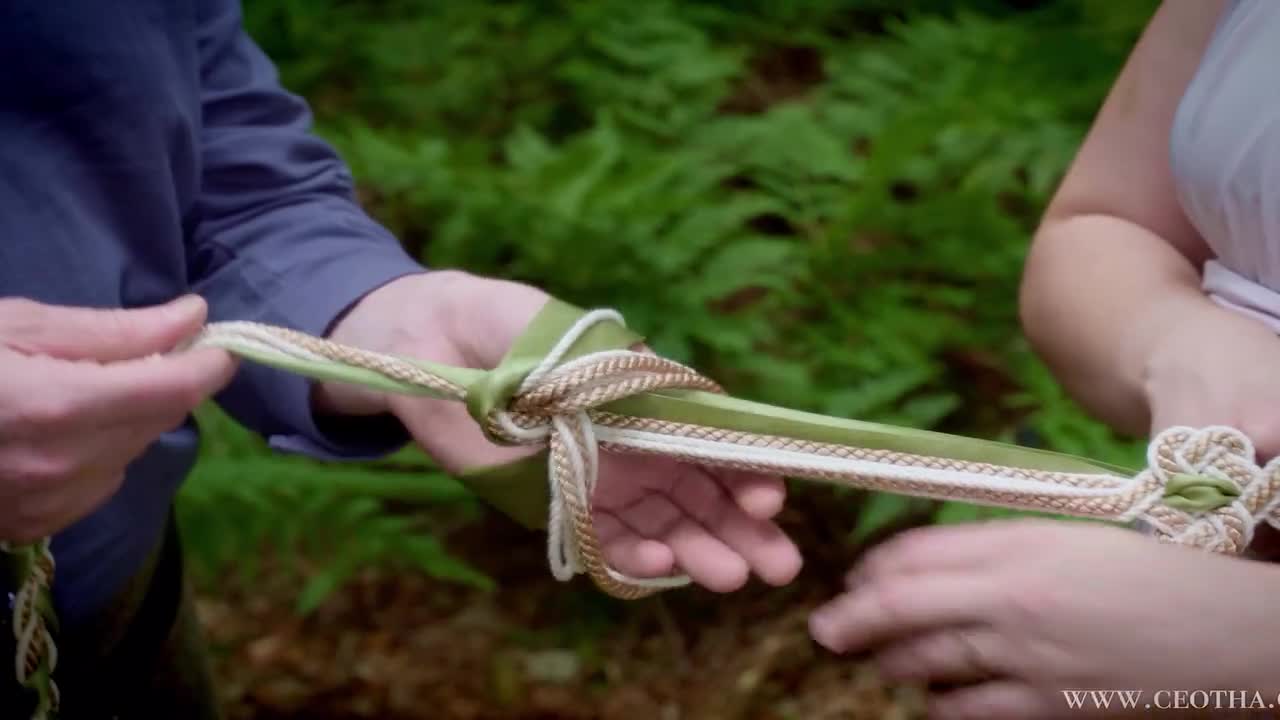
(550, 403)
(515, 405)
(1212, 490)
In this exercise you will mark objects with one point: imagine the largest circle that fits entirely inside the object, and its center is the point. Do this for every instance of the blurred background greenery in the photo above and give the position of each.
(823, 204)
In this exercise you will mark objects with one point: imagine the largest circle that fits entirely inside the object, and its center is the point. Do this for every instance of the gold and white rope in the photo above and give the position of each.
(33, 642)
(557, 405)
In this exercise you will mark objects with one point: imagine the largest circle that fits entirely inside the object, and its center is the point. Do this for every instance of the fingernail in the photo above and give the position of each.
(186, 305)
(822, 629)
(762, 507)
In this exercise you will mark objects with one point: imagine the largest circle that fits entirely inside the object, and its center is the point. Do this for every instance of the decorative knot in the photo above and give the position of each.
(1210, 490)
(579, 387)
(551, 404)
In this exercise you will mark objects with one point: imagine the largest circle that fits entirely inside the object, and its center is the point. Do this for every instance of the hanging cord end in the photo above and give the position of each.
(36, 653)
(551, 404)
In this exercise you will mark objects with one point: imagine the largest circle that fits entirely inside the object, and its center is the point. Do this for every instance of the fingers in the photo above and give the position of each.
(962, 655)
(34, 515)
(768, 552)
(99, 368)
(69, 429)
(1002, 700)
(632, 554)
(63, 479)
(72, 501)
(766, 549)
(163, 389)
(760, 496)
(924, 580)
(102, 335)
(901, 606)
(55, 398)
(100, 460)
(703, 557)
(947, 548)
(108, 449)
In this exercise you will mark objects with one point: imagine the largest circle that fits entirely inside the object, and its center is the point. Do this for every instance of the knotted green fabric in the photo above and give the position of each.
(1199, 493)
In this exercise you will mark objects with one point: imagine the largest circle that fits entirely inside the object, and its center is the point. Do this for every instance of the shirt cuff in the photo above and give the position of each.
(312, 301)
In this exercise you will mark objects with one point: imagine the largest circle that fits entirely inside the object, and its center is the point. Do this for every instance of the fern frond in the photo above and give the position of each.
(242, 503)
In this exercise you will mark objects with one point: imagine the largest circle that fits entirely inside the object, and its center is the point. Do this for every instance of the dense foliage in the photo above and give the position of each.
(821, 203)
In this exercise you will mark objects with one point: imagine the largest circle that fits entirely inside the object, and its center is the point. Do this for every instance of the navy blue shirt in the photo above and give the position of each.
(147, 150)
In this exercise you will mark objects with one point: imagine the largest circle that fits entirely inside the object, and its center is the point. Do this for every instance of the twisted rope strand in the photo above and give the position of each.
(557, 405)
(34, 643)
(235, 335)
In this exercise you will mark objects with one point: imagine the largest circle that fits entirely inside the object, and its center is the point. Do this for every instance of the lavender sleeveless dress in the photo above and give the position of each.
(1225, 154)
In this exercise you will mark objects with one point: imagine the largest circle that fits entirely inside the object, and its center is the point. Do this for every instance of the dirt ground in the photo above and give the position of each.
(405, 647)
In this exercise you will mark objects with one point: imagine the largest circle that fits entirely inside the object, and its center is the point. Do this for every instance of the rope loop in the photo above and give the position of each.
(584, 385)
(553, 406)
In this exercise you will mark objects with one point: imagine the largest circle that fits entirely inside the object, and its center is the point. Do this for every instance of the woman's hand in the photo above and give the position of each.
(1217, 367)
(1015, 613)
(655, 516)
(84, 392)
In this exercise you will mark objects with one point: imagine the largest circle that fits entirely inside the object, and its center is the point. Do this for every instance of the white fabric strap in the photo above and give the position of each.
(1237, 292)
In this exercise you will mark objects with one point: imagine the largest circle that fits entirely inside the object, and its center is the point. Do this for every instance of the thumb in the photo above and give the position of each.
(108, 335)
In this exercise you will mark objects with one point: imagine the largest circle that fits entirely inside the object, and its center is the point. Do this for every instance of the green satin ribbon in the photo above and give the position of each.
(519, 489)
(1199, 493)
(495, 388)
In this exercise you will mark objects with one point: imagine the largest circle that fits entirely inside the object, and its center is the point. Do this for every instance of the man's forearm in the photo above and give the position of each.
(278, 235)
(1098, 295)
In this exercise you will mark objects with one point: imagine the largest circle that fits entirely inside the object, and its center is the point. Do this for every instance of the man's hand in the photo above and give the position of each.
(82, 393)
(1013, 613)
(655, 517)
(1217, 367)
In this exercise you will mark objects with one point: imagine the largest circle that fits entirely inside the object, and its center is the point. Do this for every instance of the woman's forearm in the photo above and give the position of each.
(1098, 294)
(1114, 264)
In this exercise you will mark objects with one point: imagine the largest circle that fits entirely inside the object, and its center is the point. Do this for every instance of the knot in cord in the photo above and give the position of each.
(553, 406)
(1212, 492)
(549, 405)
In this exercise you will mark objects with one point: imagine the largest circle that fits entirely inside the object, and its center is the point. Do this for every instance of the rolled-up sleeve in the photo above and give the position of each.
(277, 236)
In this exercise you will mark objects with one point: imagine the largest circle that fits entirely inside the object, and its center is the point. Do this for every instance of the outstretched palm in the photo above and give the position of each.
(653, 516)
(656, 515)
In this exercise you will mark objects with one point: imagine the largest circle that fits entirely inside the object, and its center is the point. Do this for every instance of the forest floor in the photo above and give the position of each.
(406, 647)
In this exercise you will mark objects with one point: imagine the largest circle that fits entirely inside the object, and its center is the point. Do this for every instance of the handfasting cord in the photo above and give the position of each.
(1201, 487)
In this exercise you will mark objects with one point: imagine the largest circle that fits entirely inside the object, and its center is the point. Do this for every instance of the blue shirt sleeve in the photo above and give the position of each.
(278, 237)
